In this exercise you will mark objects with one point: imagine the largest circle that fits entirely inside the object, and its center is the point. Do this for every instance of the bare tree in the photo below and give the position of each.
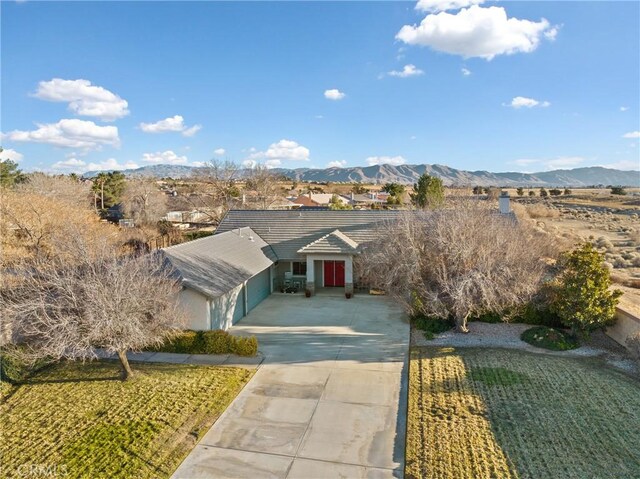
(39, 225)
(216, 189)
(143, 201)
(459, 261)
(264, 184)
(70, 190)
(68, 310)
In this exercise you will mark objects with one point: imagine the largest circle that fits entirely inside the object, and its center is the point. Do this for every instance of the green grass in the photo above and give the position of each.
(549, 338)
(509, 414)
(79, 418)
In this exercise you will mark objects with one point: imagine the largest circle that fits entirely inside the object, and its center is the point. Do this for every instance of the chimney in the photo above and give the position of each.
(503, 203)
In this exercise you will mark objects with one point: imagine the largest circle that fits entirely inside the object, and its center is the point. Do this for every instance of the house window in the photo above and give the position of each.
(299, 268)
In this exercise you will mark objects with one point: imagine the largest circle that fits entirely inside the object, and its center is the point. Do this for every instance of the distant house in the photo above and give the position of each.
(318, 199)
(257, 252)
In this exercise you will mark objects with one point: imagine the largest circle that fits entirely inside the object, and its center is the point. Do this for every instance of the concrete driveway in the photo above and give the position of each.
(329, 400)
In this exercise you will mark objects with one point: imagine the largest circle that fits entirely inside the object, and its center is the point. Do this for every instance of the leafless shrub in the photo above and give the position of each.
(143, 201)
(70, 191)
(536, 211)
(458, 261)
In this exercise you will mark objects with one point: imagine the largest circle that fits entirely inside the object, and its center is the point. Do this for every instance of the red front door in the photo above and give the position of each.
(333, 273)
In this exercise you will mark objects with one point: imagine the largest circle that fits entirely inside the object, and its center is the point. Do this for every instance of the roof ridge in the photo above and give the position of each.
(340, 235)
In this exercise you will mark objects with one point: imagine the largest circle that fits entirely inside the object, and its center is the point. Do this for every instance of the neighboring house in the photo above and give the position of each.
(318, 199)
(223, 277)
(368, 199)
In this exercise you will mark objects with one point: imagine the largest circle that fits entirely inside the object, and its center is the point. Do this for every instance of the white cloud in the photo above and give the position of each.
(337, 164)
(219, 151)
(164, 158)
(632, 134)
(443, 5)
(386, 160)
(282, 150)
(624, 108)
(563, 162)
(272, 163)
(9, 154)
(623, 165)
(319, 117)
(334, 94)
(477, 32)
(171, 124)
(524, 102)
(198, 164)
(413, 137)
(408, 71)
(69, 133)
(249, 163)
(83, 98)
(79, 166)
(466, 72)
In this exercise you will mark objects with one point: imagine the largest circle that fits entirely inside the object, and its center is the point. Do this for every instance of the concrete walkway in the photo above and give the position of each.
(328, 401)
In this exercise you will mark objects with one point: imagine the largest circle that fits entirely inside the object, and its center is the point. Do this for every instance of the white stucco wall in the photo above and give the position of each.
(196, 309)
(223, 307)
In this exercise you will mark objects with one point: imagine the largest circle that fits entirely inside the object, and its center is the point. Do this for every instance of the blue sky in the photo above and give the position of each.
(499, 86)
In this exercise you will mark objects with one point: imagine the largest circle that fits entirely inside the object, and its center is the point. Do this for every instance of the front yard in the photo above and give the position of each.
(511, 414)
(78, 420)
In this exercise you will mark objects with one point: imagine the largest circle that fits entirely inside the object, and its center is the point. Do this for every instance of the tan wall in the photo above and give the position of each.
(196, 308)
(626, 325)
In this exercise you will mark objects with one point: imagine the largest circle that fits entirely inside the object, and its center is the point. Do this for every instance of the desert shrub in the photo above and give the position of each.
(532, 193)
(542, 211)
(549, 338)
(543, 193)
(618, 190)
(580, 294)
(603, 242)
(192, 235)
(431, 326)
(555, 192)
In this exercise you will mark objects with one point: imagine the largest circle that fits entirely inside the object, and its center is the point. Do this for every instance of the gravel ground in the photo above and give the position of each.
(507, 335)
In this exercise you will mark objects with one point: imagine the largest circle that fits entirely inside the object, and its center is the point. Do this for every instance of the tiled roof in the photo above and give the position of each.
(334, 242)
(216, 264)
(289, 231)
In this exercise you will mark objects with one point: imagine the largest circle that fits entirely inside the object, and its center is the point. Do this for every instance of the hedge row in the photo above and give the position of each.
(210, 342)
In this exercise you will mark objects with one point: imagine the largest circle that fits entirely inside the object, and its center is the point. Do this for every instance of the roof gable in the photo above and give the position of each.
(334, 242)
(217, 264)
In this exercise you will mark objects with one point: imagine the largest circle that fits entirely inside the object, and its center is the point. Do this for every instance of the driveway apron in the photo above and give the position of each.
(328, 401)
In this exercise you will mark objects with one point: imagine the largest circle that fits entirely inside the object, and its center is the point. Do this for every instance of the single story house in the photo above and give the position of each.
(319, 199)
(256, 252)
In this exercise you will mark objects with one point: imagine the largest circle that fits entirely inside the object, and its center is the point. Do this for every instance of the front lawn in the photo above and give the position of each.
(79, 420)
(510, 414)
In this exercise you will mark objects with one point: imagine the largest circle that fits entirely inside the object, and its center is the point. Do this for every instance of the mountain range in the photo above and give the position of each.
(408, 174)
